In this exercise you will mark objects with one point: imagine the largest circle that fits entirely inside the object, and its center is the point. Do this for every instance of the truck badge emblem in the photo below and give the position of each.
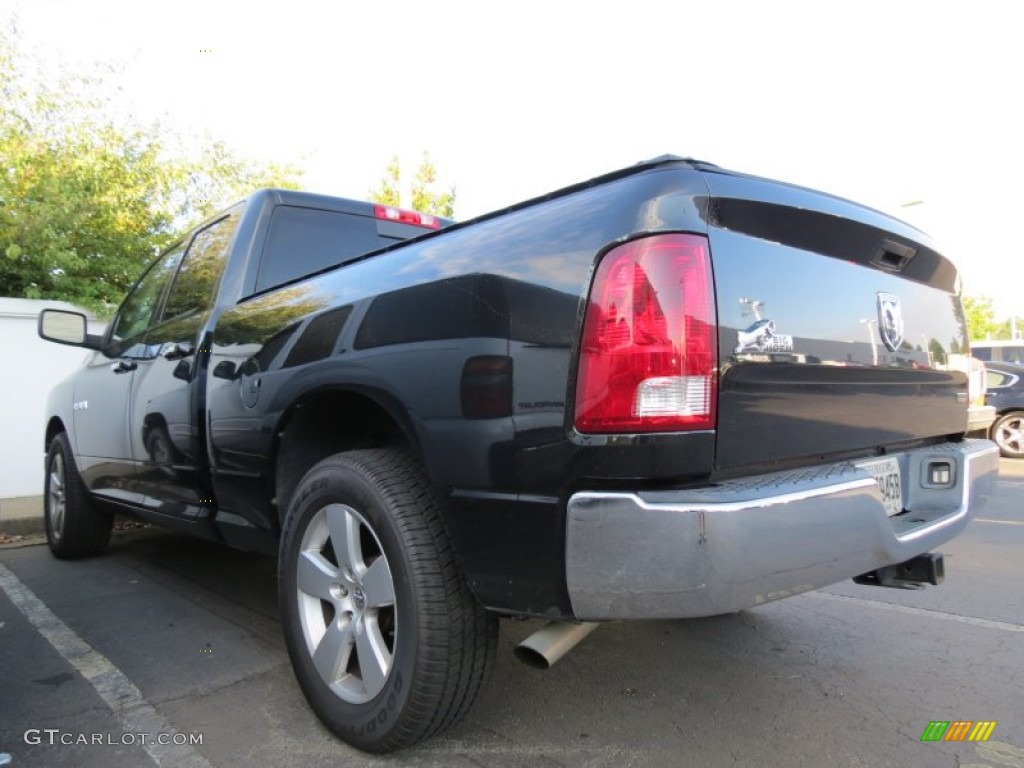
(890, 320)
(756, 336)
(761, 337)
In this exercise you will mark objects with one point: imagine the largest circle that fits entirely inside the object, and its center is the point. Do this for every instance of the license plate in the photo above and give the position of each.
(887, 474)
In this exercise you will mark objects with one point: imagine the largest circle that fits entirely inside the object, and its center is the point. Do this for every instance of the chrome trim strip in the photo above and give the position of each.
(726, 506)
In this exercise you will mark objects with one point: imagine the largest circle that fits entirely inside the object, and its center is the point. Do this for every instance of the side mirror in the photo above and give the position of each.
(65, 327)
(225, 369)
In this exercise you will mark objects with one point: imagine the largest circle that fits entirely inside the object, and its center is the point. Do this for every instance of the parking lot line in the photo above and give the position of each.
(972, 620)
(118, 692)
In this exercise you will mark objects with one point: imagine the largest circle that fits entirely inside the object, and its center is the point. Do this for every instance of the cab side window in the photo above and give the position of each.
(136, 311)
(196, 282)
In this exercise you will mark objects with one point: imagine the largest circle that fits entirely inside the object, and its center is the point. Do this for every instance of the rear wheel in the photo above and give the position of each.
(388, 644)
(75, 527)
(1008, 434)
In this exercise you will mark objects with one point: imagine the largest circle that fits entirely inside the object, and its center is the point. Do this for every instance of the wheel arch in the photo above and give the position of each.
(1006, 411)
(53, 428)
(152, 421)
(329, 421)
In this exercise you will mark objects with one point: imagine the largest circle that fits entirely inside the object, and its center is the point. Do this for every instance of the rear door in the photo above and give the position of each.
(167, 406)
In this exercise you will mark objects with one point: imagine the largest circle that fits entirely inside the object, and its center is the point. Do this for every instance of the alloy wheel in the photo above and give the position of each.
(346, 599)
(1009, 435)
(56, 491)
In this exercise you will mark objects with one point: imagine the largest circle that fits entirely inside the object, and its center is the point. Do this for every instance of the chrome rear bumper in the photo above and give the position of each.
(706, 551)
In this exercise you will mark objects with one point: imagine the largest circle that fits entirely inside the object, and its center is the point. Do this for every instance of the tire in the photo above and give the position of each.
(1008, 433)
(75, 527)
(387, 642)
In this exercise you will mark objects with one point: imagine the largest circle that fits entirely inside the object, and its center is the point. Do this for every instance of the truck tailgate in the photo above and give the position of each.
(840, 329)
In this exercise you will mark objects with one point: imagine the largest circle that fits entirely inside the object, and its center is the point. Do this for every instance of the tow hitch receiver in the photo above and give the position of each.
(912, 574)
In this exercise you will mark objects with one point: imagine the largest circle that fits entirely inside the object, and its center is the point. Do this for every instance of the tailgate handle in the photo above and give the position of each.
(893, 257)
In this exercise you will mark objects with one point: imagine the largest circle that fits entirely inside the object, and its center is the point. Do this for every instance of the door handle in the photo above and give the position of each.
(177, 351)
(124, 366)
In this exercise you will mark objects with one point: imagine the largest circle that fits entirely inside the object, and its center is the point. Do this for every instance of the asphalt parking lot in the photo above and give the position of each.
(166, 635)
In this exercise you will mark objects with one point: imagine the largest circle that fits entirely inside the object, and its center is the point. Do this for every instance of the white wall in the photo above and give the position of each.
(29, 367)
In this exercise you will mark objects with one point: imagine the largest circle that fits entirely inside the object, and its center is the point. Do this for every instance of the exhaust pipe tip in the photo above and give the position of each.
(531, 657)
(551, 642)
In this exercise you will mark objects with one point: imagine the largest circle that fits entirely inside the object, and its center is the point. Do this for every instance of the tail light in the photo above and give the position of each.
(648, 356)
(402, 216)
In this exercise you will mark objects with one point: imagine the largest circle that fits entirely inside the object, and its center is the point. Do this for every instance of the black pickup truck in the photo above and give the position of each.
(671, 391)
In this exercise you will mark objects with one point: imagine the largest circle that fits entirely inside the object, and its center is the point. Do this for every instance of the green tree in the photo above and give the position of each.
(87, 198)
(388, 192)
(427, 197)
(981, 319)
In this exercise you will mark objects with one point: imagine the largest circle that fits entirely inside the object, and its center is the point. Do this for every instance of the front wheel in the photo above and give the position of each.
(388, 644)
(1008, 433)
(75, 527)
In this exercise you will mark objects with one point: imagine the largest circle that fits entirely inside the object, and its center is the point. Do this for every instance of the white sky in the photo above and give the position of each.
(883, 102)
